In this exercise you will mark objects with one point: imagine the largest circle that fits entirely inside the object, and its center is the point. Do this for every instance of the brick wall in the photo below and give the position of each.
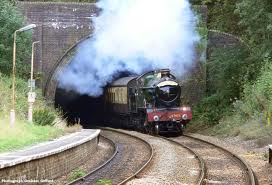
(52, 166)
(60, 25)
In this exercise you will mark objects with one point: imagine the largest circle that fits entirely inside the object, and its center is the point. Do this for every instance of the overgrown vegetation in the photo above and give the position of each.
(239, 81)
(104, 182)
(11, 20)
(24, 133)
(76, 173)
(47, 124)
(45, 116)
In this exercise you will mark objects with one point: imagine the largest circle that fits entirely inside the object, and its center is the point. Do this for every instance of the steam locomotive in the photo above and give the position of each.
(149, 102)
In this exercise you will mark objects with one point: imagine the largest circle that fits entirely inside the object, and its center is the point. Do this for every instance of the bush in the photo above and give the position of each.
(257, 97)
(44, 116)
(227, 69)
(211, 109)
(76, 173)
(250, 117)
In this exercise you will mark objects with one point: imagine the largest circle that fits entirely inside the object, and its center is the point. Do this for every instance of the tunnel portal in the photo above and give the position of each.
(83, 109)
(77, 108)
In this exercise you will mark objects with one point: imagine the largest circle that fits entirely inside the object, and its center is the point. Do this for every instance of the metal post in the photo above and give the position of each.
(12, 111)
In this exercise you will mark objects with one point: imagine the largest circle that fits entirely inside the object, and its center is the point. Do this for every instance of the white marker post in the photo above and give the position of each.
(31, 83)
(31, 100)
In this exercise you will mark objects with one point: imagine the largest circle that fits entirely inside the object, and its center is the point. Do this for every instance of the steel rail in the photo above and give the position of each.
(101, 166)
(203, 172)
(116, 151)
(148, 161)
(251, 177)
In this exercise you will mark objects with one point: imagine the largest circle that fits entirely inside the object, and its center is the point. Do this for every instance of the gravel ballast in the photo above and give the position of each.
(254, 152)
(171, 164)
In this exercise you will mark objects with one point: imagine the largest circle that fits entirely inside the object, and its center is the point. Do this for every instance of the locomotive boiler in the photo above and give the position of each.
(150, 102)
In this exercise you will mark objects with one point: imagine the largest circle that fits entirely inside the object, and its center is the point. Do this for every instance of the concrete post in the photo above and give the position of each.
(270, 154)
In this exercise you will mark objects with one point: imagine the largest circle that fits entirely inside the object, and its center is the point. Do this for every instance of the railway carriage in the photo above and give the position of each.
(149, 102)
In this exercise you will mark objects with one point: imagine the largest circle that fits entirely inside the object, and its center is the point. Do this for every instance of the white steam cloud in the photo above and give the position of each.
(134, 36)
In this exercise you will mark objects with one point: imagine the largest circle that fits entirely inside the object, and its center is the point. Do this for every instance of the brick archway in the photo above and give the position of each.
(52, 83)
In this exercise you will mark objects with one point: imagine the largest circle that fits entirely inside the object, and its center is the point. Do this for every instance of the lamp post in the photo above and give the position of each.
(12, 111)
(31, 94)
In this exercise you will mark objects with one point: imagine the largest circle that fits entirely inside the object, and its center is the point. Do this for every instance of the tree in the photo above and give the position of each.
(11, 20)
(222, 17)
(256, 17)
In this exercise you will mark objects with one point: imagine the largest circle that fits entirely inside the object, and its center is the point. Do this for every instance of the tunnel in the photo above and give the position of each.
(77, 108)
(83, 109)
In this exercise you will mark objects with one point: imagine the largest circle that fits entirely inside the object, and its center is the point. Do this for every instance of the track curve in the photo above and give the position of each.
(223, 166)
(172, 163)
(129, 159)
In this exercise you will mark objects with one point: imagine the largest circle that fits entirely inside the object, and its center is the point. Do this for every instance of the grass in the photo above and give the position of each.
(232, 126)
(23, 134)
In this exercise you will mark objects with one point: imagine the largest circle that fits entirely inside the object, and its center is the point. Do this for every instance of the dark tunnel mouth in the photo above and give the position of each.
(83, 109)
(78, 108)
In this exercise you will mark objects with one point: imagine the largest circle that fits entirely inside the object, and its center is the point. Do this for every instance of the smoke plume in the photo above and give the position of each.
(134, 36)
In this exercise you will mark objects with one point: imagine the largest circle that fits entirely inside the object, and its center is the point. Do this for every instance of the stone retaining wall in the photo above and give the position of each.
(50, 167)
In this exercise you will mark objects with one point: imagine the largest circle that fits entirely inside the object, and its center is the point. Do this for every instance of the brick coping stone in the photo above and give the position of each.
(47, 148)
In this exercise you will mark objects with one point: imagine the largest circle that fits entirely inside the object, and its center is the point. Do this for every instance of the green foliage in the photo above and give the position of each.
(210, 109)
(239, 81)
(11, 20)
(256, 17)
(222, 17)
(44, 116)
(258, 96)
(228, 69)
(249, 117)
(104, 182)
(76, 173)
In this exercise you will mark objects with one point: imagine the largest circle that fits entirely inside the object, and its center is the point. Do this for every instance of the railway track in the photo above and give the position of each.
(131, 156)
(161, 160)
(202, 165)
(173, 163)
(223, 167)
